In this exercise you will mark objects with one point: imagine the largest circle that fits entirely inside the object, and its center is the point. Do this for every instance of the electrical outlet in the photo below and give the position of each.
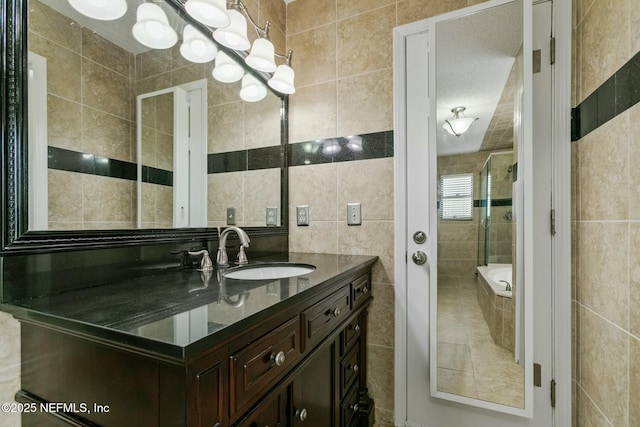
(272, 216)
(231, 216)
(354, 216)
(302, 214)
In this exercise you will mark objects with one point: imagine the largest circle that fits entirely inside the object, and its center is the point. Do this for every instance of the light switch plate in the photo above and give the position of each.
(302, 214)
(272, 216)
(354, 216)
(231, 216)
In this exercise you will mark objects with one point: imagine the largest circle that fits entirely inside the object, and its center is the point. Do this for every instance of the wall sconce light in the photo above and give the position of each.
(282, 79)
(104, 10)
(195, 47)
(226, 70)
(331, 147)
(252, 90)
(210, 12)
(234, 35)
(152, 27)
(459, 123)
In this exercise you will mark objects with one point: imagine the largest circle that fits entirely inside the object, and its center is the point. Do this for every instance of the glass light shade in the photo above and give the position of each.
(226, 70)
(282, 80)
(152, 28)
(261, 57)
(210, 12)
(104, 10)
(234, 36)
(457, 125)
(252, 90)
(195, 47)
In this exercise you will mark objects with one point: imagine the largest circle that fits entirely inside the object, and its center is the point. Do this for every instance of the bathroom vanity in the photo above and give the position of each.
(187, 348)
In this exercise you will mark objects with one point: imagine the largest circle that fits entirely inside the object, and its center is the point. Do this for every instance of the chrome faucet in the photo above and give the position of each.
(205, 261)
(507, 287)
(222, 260)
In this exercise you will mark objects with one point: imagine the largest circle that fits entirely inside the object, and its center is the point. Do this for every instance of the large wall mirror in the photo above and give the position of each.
(125, 141)
(478, 336)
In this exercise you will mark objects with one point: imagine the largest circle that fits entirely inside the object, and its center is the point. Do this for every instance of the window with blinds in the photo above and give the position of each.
(456, 197)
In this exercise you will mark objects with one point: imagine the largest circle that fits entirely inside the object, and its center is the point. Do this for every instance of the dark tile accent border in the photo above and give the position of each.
(243, 160)
(620, 92)
(481, 203)
(89, 164)
(349, 148)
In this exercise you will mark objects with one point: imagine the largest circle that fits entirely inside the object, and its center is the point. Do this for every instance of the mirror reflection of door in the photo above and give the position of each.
(477, 67)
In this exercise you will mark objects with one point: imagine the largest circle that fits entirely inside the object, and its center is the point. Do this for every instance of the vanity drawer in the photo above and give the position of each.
(350, 334)
(349, 407)
(360, 290)
(349, 369)
(255, 367)
(324, 316)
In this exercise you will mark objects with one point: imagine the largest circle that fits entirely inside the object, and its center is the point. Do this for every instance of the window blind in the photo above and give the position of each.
(456, 197)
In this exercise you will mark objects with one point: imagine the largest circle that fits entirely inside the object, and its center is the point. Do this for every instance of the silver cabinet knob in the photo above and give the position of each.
(419, 257)
(357, 328)
(336, 312)
(354, 407)
(278, 358)
(365, 290)
(354, 368)
(301, 414)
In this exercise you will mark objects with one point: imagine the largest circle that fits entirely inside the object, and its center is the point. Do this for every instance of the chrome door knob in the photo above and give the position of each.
(419, 257)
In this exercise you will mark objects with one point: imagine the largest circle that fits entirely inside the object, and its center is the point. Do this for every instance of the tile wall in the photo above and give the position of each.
(606, 218)
(343, 61)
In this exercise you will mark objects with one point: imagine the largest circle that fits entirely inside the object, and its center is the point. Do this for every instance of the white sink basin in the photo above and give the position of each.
(269, 271)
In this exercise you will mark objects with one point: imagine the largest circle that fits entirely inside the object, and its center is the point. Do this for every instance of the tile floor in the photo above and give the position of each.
(469, 362)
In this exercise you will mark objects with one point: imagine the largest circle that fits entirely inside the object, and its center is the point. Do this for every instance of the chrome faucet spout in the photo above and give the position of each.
(222, 260)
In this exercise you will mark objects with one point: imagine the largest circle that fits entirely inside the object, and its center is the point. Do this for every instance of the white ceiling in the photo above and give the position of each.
(475, 54)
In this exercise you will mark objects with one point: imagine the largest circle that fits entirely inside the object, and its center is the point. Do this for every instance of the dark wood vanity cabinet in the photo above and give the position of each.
(304, 365)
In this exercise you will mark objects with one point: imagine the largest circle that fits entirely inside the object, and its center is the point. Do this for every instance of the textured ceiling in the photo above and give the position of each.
(474, 58)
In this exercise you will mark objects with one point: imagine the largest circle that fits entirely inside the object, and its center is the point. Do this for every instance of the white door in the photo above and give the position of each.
(415, 281)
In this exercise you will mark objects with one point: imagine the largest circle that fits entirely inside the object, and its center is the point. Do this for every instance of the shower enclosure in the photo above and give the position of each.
(495, 234)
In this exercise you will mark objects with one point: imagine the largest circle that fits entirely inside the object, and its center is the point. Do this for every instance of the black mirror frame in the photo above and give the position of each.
(16, 239)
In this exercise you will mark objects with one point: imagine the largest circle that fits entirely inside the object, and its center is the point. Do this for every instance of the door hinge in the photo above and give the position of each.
(406, 257)
(552, 51)
(552, 217)
(553, 393)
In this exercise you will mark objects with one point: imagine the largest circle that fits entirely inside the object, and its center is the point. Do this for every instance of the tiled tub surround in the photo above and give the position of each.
(497, 306)
(606, 214)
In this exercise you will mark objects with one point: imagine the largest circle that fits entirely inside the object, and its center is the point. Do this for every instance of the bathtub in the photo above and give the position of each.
(495, 275)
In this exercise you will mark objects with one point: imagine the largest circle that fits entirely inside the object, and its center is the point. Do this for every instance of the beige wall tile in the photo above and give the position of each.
(105, 90)
(416, 10)
(316, 186)
(225, 128)
(634, 159)
(604, 153)
(607, 383)
(154, 62)
(634, 381)
(188, 74)
(317, 237)
(153, 83)
(63, 68)
(634, 29)
(605, 41)
(64, 123)
(223, 193)
(221, 93)
(380, 375)
(54, 26)
(303, 15)
(603, 278)
(381, 316)
(314, 55)
(348, 8)
(65, 196)
(364, 51)
(355, 186)
(105, 53)
(365, 103)
(261, 190)
(313, 113)
(634, 279)
(274, 11)
(370, 238)
(588, 414)
(262, 122)
(106, 135)
(106, 199)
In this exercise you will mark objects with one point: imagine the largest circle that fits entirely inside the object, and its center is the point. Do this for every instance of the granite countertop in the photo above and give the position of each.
(179, 313)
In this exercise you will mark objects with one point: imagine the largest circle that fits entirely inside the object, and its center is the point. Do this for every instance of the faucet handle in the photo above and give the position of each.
(242, 256)
(205, 261)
